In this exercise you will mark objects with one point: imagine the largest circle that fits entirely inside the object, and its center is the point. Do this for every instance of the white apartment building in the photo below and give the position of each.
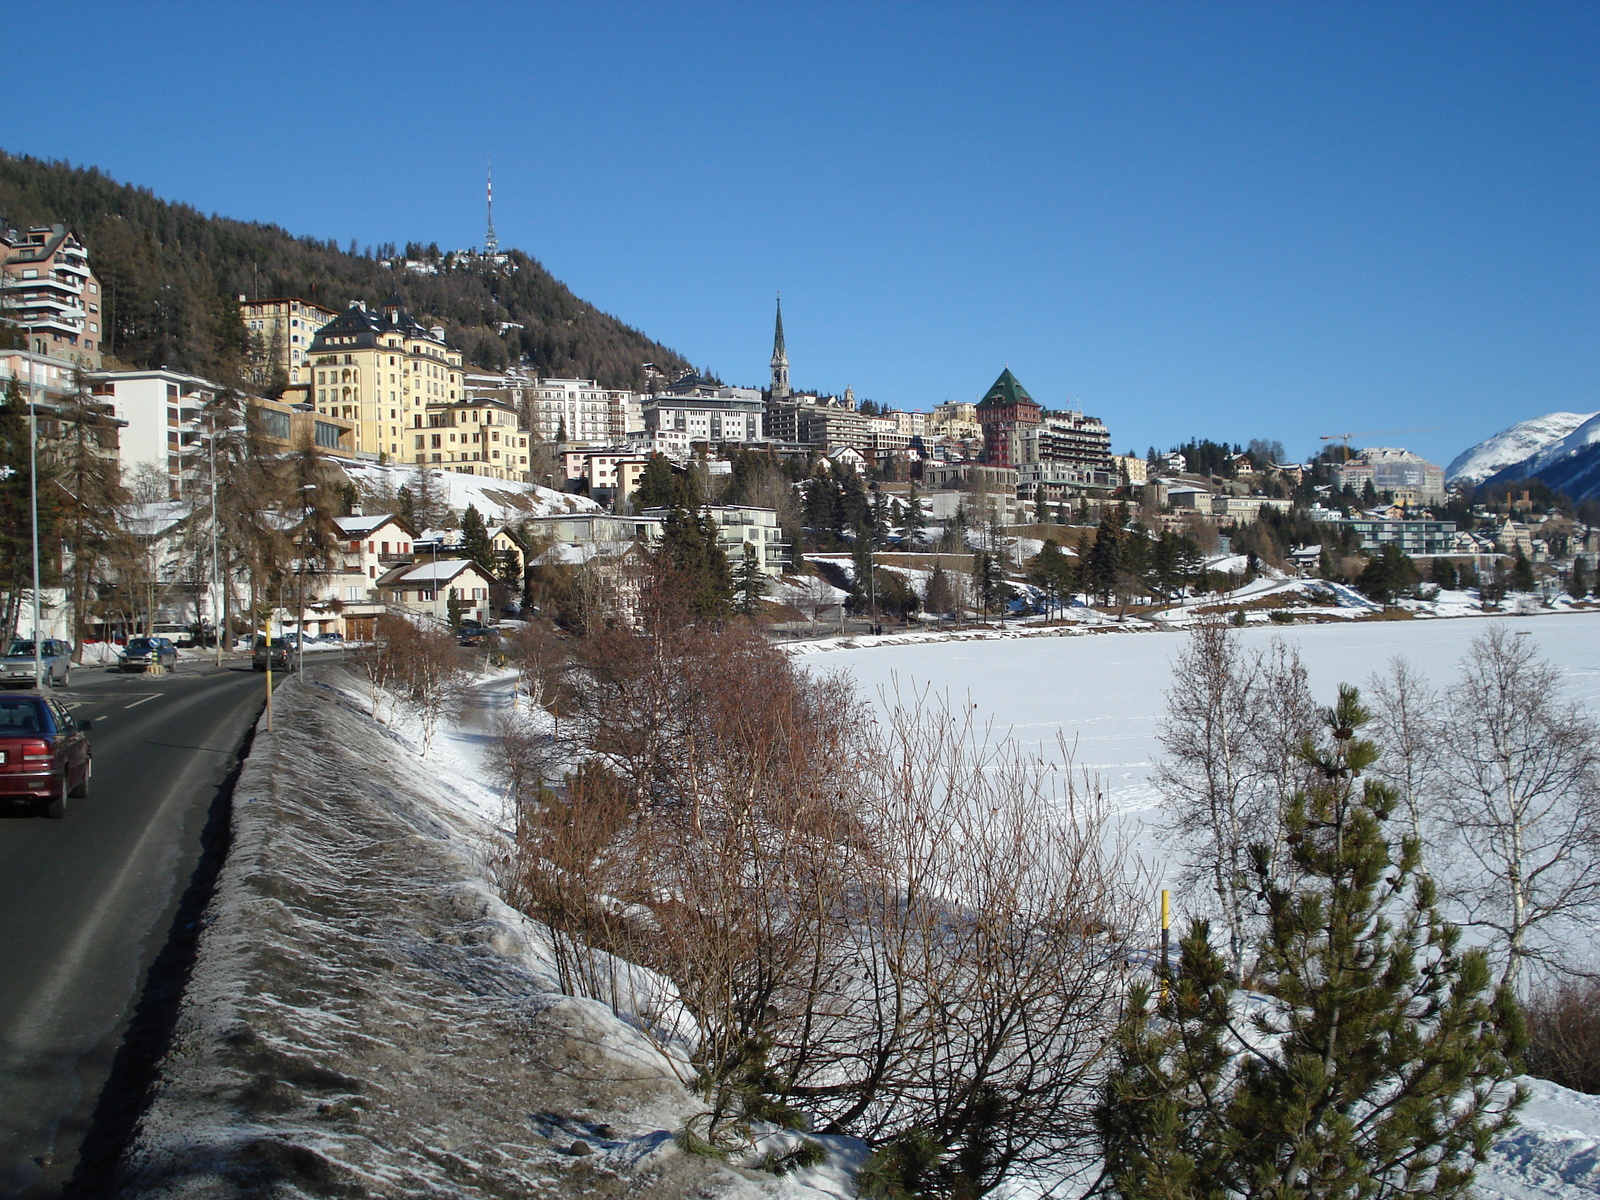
(582, 410)
(731, 415)
(739, 525)
(910, 424)
(163, 410)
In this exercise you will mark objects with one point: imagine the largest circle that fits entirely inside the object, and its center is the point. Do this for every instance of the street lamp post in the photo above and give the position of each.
(33, 498)
(216, 575)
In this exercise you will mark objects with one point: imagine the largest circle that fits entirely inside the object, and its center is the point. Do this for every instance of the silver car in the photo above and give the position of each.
(16, 668)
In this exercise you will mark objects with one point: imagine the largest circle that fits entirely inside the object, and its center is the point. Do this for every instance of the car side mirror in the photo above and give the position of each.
(86, 725)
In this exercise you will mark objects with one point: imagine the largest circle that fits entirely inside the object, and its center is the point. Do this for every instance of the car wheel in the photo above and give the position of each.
(82, 790)
(56, 807)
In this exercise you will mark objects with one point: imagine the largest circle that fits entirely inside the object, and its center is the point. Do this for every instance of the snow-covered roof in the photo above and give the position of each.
(361, 526)
(153, 520)
(444, 569)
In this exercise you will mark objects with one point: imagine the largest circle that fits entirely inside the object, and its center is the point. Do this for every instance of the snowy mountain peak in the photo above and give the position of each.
(1517, 444)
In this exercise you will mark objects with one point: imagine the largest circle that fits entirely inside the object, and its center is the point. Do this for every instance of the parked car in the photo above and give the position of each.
(142, 653)
(282, 655)
(476, 635)
(45, 754)
(16, 668)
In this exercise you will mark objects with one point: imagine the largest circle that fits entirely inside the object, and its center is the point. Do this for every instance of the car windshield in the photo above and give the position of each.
(140, 644)
(20, 647)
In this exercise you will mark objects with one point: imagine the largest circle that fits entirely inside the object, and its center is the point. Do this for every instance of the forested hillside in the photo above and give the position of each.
(172, 276)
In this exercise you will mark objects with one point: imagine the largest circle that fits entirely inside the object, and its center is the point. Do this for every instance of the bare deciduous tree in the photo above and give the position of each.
(1234, 723)
(912, 934)
(1406, 728)
(417, 667)
(989, 942)
(1521, 772)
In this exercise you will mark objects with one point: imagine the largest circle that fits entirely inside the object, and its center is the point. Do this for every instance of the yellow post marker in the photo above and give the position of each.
(268, 625)
(1166, 931)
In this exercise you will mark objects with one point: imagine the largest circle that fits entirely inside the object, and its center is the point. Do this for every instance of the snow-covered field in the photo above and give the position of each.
(1106, 696)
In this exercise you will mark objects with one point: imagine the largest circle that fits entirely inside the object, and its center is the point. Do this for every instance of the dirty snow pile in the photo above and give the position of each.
(365, 1017)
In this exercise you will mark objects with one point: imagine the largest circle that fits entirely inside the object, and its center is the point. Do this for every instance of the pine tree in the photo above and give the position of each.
(657, 486)
(1578, 581)
(749, 582)
(1379, 1064)
(475, 540)
(916, 521)
(989, 582)
(861, 575)
(1051, 572)
(692, 556)
(1522, 573)
(880, 520)
(1444, 574)
(1104, 560)
(939, 598)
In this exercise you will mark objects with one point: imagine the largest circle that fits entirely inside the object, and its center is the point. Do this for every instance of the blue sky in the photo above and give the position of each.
(1224, 220)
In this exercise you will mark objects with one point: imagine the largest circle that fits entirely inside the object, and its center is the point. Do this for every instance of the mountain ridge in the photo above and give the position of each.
(1571, 465)
(1512, 445)
(172, 276)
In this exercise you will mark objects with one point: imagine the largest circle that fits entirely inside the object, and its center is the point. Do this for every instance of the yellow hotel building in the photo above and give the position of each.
(480, 436)
(381, 370)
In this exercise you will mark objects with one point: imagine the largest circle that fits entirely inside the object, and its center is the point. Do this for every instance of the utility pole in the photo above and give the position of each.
(216, 575)
(33, 496)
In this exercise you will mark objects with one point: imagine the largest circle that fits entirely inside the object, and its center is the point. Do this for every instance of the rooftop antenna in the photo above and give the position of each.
(491, 244)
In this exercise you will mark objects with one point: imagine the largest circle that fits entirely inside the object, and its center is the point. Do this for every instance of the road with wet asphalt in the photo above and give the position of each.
(92, 905)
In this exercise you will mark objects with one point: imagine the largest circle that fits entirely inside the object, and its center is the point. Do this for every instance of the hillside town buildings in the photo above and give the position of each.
(706, 412)
(48, 288)
(281, 331)
(477, 436)
(375, 385)
(381, 370)
(1405, 477)
(1005, 413)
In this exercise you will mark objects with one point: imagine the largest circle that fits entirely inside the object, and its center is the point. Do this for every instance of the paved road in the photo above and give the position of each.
(88, 904)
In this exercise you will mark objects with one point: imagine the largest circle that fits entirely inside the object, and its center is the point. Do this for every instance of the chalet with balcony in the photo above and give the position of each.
(428, 588)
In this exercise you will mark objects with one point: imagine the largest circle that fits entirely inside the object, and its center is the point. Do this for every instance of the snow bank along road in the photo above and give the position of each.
(86, 903)
(366, 1018)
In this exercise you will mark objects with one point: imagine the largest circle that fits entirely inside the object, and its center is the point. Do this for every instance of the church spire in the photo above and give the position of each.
(780, 359)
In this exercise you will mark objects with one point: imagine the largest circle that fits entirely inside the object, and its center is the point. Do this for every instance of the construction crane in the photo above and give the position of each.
(1366, 433)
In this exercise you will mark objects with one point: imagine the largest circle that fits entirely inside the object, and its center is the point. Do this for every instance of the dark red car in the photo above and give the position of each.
(44, 753)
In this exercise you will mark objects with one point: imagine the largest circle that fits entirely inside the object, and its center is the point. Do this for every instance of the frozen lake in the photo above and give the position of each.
(1106, 692)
